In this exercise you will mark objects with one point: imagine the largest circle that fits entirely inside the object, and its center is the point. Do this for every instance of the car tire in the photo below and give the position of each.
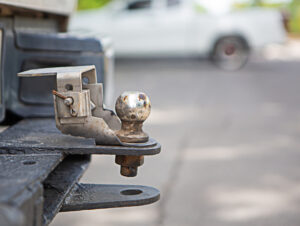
(230, 53)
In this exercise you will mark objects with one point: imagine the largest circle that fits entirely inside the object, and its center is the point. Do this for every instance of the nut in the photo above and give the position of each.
(129, 164)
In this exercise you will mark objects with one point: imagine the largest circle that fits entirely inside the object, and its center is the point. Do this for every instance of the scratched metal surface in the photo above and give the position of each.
(58, 184)
(21, 188)
(19, 171)
(40, 135)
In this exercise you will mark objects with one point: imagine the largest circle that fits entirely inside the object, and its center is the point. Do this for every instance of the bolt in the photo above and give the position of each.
(68, 101)
(129, 164)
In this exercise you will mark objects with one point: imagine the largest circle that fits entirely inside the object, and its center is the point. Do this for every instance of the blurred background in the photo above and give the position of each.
(223, 79)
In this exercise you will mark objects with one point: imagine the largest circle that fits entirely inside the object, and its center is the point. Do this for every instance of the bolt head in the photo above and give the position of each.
(133, 106)
(68, 101)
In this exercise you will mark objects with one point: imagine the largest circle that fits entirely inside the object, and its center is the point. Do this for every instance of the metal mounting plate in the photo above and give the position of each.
(20, 171)
(41, 135)
(60, 183)
(21, 189)
(93, 196)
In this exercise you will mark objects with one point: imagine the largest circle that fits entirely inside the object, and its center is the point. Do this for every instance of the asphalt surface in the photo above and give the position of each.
(230, 146)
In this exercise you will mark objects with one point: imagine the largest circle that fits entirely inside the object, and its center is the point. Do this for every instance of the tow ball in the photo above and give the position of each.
(79, 111)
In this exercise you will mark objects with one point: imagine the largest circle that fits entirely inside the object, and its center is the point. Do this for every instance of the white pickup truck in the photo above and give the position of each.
(173, 27)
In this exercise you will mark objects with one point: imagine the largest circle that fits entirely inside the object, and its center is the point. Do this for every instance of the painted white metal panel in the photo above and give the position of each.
(177, 30)
(64, 7)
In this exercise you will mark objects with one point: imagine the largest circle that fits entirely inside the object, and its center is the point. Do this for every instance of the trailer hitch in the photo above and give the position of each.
(79, 111)
(42, 159)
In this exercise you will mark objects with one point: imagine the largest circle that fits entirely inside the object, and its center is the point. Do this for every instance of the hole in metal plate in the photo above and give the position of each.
(29, 162)
(85, 80)
(69, 87)
(131, 192)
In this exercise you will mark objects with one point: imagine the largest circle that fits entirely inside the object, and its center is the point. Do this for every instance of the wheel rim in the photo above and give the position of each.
(231, 54)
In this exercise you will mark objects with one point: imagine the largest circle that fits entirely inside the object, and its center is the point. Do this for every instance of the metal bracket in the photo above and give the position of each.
(78, 104)
(40, 135)
(93, 196)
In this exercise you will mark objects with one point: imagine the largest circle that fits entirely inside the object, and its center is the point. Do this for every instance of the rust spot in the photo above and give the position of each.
(125, 98)
(54, 92)
(142, 97)
(129, 164)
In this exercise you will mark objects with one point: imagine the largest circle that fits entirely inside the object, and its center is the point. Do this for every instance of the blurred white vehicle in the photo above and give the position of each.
(154, 28)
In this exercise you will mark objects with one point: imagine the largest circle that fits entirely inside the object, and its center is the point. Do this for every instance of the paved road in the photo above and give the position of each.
(230, 146)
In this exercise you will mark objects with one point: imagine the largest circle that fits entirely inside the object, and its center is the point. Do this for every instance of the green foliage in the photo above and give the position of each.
(293, 7)
(239, 5)
(91, 4)
(258, 3)
(199, 8)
